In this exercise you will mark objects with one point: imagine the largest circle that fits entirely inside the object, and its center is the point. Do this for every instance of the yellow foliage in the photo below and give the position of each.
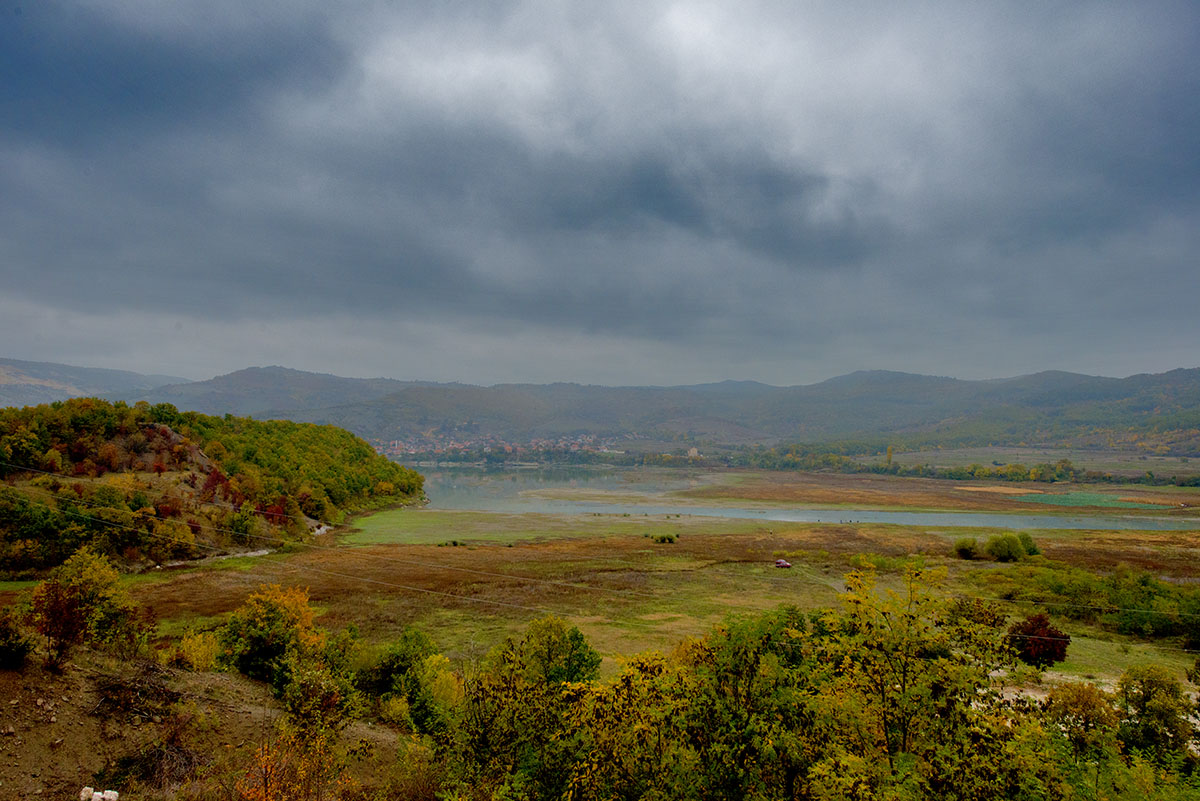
(394, 709)
(173, 538)
(198, 650)
(444, 684)
(126, 482)
(273, 601)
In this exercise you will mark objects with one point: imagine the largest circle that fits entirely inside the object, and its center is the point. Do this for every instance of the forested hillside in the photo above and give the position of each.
(149, 482)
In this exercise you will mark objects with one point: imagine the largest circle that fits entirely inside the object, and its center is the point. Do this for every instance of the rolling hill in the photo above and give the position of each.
(868, 407)
(25, 383)
(854, 413)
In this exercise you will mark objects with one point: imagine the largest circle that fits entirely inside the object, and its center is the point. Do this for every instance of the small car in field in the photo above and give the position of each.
(782, 563)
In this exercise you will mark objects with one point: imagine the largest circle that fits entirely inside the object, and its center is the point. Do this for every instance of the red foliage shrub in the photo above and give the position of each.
(1037, 642)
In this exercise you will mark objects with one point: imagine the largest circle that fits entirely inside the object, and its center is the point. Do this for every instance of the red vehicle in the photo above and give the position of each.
(782, 563)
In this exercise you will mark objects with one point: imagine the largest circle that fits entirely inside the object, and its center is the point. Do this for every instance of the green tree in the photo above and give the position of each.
(80, 602)
(274, 623)
(1155, 713)
(748, 706)
(634, 736)
(1005, 548)
(14, 645)
(406, 671)
(1086, 717)
(913, 702)
(554, 652)
(514, 715)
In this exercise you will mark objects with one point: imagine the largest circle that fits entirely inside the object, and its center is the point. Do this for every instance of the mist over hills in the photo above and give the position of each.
(866, 407)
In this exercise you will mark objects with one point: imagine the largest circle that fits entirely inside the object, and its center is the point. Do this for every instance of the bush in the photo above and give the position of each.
(317, 699)
(260, 634)
(198, 650)
(1156, 713)
(81, 602)
(967, 548)
(1027, 543)
(1085, 715)
(1005, 548)
(1038, 643)
(397, 669)
(14, 645)
(553, 652)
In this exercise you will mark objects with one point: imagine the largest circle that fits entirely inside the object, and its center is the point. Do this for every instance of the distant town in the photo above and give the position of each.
(437, 445)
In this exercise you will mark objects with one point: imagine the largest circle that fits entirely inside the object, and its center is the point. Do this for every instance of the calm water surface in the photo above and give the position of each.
(515, 492)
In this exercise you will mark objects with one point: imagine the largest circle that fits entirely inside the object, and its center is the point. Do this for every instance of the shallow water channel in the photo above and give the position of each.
(636, 492)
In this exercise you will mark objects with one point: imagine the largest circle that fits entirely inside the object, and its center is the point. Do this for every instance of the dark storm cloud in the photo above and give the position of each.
(76, 77)
(796, 192)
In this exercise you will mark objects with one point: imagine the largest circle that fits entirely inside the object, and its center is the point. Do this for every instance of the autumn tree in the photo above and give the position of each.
(80, 602)
(1038, 643)
(514, 713)
(260, 634)
(1086, 717)
(1155, 713)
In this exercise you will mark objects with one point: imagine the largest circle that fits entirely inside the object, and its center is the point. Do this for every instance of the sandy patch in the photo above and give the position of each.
(1002, 490)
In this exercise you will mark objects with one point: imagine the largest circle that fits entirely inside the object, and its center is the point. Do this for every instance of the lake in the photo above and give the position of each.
(647, 492)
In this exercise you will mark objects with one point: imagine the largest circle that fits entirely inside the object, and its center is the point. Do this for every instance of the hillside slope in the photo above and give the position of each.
(1159, 412)
(257, 390)
(25, 383)
(1046, 408)
(148, 483)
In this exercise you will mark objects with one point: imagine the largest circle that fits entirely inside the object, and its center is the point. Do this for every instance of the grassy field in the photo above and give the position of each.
(607, 575)
(439, 527)
(1102, 500)
(470, 579)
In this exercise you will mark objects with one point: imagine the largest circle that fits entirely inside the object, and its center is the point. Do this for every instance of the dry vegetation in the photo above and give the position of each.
(606, 574)
(883, 491)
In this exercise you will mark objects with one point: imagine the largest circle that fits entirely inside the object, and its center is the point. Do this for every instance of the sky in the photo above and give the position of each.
(616, 193)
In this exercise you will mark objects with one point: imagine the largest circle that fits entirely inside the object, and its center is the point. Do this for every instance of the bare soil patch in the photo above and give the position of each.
(883, 491)
(1000, 490)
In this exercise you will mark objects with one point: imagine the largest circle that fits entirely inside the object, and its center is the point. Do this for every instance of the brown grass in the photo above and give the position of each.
(881, 491)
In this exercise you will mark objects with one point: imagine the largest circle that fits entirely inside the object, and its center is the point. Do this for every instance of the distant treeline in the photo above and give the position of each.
(203, 480)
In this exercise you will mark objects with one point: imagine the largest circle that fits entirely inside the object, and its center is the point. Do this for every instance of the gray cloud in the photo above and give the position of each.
(643, 193)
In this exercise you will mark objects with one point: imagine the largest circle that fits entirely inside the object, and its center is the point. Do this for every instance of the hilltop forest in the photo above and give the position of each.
(146, 482)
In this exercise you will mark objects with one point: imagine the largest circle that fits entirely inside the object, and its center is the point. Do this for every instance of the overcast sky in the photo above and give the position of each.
(618, 193)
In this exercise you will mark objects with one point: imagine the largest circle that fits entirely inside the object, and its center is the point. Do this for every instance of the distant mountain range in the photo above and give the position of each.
(867, 409)
(30, 383)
